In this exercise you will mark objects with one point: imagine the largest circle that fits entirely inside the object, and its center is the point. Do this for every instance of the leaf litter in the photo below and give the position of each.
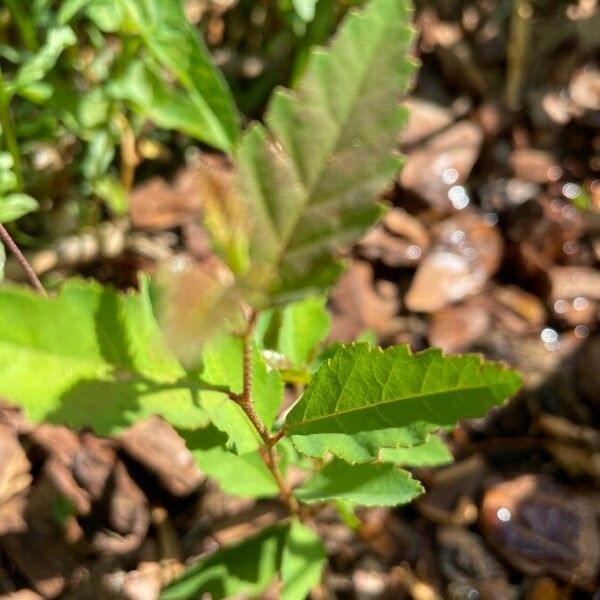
(525, 290)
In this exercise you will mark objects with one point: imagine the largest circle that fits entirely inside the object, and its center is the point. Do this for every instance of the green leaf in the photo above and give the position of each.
(432, 453)
(362, 389)
(113, 192)
(175, 44)
(99, 154)
(347, 513)
(69, 8)
(107, 15)
(8, 179)
(300, 327)
(366, 485)
(40, 63)
(305, 9)
(14, 206)
(167, 107)
(302, 562)
(90, 357)
(243, 475)
(330, 149)
(316, 32)
(246, 568)
(222, 360)
(362, 447)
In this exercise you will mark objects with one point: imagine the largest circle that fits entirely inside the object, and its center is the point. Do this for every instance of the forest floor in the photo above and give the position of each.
(492, 246)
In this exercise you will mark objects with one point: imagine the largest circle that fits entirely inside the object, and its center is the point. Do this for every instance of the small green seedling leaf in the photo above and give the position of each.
(297, 330)
(305, 9)
(432, 453)
(244, 569)
(113, 192)
(168, 107)
(40, 63)
(302, 562)
(16, 205)
(175, 44)
(362, 389)
(311, 178)
(365, 485)
(243, 475)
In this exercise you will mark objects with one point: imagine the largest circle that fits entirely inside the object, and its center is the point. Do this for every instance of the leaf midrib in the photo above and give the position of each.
(309, 191)
(416, 396)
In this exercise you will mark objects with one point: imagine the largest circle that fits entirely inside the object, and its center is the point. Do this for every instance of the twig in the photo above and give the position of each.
(517, 53)
(10, 244)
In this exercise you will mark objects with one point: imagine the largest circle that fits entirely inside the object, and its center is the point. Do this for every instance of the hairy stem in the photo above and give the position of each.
(268, 451)
(10, 136)
(271, 459)
(12, 246)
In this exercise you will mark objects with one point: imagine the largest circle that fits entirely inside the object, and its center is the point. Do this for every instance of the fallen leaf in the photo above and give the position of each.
(156, 445)
(358, 304)
(466, 253)
(541, 527)
(530, 164)
(436, 170)
(15, 479)
(455, 328)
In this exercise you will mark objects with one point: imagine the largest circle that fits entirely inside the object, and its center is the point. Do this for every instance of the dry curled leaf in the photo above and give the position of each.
(456, 328)
(468, 564)
(442, 164)
(399, 240)
(125, 511)
(60, 446)
(536, 166)
(156, 445)
(466, 253)
(359, 304)
(15, 479)
(42, 553)
(541, 527)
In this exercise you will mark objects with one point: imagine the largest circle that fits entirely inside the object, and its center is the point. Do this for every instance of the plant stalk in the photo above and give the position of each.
(10, 136)
(271, 459)
(8, 130)
(268, 452)
(12, 246)
(129, 155)
(517, 51)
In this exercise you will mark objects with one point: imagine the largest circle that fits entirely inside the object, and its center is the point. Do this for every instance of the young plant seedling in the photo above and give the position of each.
(305, 186)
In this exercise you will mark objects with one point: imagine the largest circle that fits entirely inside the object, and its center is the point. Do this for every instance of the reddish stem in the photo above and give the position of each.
(12, 246)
